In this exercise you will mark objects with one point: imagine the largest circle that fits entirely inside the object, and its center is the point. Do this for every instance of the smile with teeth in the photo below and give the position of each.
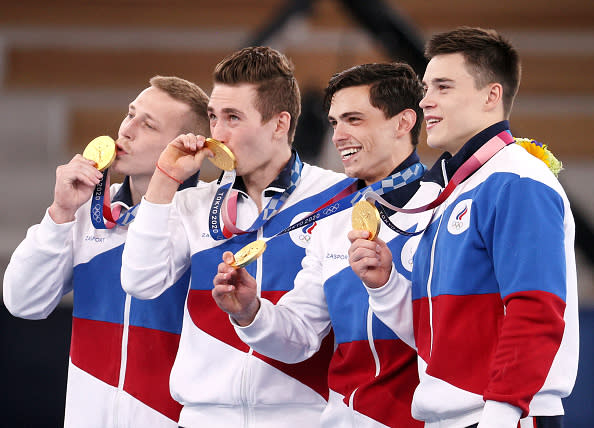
(433, 121)
(347, 153)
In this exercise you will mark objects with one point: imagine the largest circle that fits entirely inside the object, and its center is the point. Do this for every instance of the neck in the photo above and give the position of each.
(138, 187)
(397, 159)
(480, 127)
(257, 181)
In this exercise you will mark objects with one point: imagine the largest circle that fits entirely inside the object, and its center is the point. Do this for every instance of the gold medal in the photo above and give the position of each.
(365, 216)
(248, 254)
(223, 157)
(102, 150)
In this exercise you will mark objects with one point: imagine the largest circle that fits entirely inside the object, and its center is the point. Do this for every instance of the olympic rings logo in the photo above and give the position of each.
(331, 209)
(96, 213)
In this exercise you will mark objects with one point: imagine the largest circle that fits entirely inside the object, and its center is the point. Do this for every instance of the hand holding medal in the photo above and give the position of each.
(102, 150)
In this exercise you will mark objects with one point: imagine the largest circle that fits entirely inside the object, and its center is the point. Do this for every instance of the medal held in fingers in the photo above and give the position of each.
(365, 216)
(102, 150)
(223, 157)
(248, 254)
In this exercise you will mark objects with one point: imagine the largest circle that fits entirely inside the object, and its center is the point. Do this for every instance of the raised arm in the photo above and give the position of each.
(40, 269)
(157, 252)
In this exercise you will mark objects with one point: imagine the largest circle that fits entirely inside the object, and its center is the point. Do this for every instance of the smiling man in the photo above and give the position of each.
(492, 306)
(122, 349)
(376, 119)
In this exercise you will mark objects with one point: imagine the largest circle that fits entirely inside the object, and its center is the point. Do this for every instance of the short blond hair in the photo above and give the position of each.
(188, 93)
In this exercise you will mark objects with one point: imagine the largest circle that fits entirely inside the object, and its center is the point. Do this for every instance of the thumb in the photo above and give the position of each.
(228, 257)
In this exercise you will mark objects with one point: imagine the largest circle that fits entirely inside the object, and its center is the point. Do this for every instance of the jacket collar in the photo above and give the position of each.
(452, 163)
(399, 197)
(278, 185)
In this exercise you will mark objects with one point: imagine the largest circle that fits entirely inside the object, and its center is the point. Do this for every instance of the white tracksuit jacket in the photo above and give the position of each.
(218, 379)
(122, 349)
(492, 307)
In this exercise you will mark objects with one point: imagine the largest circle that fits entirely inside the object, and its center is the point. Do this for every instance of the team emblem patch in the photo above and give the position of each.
(460, 218)
(302, 236)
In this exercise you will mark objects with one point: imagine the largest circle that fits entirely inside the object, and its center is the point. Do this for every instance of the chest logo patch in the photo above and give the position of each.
(460, 218)
(302, 236)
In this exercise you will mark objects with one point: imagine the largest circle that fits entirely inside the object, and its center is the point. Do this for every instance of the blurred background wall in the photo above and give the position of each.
(69, 68)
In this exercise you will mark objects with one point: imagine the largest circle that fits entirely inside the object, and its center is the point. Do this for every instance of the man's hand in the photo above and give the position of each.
(184, 155)
(370, 260)
(182, 158)
(235, 291)
(75, 183)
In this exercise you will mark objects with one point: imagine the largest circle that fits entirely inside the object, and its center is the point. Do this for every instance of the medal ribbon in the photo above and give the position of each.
(477, 160)
(386, 185)
(348, 197)
(102, 215)
(272, 207)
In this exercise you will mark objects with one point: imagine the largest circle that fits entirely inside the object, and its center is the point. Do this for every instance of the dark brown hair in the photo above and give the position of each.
(489, 58)
(393, 87)
(272, 73)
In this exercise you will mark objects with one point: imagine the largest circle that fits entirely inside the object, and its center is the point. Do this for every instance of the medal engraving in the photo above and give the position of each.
(248, 254)
(102, 150)
(365, 216)
(223, 157)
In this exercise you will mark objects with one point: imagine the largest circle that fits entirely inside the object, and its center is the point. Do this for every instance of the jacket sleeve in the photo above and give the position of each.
(392, 303)
(530, 233)
(292, 330)
(40, 270)
(156, 253)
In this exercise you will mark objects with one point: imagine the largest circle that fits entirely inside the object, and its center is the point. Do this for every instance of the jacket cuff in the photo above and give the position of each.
(499, 415)
(386, 289)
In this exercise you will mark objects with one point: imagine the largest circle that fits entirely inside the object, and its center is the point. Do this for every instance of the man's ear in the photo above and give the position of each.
(494, 96)
(283, 123)
(406, 121)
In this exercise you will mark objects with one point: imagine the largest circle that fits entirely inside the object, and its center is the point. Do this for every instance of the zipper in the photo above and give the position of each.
(245, 376)
(351, 402)
(123, 359)
(371, 342)
(375, 359)
(432, 258)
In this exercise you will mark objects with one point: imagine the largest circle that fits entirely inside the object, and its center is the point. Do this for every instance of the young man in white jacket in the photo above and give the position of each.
(220, 381)
(375, 114)
(492, 305)
(122, 349)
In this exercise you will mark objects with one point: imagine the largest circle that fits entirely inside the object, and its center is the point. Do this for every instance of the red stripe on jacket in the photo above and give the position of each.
(208, 317)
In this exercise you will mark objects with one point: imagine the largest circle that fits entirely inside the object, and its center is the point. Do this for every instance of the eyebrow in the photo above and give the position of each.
(346, 115)
(439, 80)
(227, 110)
